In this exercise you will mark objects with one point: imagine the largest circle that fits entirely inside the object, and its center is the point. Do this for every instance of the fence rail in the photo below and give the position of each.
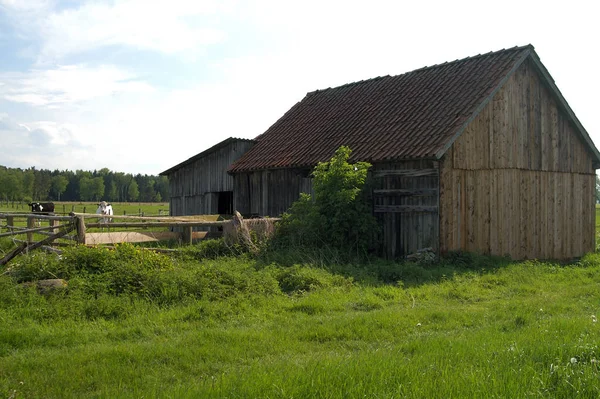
(179, 228)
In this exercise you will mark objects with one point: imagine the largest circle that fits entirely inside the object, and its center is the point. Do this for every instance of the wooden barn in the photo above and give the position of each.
(481, 154)
(201, 185)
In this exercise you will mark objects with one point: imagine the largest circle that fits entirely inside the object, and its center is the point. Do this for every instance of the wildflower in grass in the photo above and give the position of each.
(594, 319)
(573, 360)
(418, 324)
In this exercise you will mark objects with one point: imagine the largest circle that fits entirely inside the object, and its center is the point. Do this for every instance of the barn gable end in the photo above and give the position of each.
(201, 185)
(519, 180)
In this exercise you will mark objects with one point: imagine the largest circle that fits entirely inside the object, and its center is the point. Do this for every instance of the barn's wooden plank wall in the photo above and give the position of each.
(405, 201)
(520, 180)
(269, 192)
(194, 186)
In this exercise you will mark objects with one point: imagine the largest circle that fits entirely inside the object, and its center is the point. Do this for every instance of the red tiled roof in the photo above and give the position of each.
(409, 116)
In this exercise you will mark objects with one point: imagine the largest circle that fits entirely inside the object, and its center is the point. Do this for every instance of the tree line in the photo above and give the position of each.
(44, 185)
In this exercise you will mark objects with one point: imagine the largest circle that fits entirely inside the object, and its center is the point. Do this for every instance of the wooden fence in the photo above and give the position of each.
(81, 223)
(88, 229)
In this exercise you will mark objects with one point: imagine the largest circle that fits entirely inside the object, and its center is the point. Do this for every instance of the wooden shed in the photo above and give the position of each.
(481, 154)
(201, 185)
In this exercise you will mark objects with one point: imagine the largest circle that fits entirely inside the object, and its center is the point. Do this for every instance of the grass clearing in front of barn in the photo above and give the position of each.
(131, 326)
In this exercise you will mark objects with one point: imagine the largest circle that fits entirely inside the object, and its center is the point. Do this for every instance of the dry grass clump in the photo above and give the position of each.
(250, 233)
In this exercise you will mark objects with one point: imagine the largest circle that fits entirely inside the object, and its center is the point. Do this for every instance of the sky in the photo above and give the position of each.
(138, 86)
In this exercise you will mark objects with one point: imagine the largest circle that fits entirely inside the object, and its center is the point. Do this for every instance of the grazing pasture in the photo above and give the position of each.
(120, 208)
(306, 324)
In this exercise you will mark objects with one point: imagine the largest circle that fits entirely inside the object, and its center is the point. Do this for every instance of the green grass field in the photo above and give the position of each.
(135, 324)
(120, 208)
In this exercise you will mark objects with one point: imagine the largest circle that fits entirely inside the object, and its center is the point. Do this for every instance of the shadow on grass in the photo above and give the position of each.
(372, 270)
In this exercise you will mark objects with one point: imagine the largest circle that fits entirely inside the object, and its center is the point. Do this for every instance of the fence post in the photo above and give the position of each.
(30, 225)
(10, 222)
(54, 223)
(80, 225)
(64, 209)
(84, 208)
(187, 235)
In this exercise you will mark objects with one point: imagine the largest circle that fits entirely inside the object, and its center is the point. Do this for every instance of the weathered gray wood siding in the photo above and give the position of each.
(269, 192)
(194, 186)
(405, 201)
(520, 180)
(405, 204)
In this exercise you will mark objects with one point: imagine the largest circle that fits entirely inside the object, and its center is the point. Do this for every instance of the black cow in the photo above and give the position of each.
(45, 208)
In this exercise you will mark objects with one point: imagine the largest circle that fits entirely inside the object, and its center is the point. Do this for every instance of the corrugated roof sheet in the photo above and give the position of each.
(409, 116)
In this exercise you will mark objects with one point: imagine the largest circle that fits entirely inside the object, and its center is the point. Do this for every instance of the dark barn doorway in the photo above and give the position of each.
(225, 203)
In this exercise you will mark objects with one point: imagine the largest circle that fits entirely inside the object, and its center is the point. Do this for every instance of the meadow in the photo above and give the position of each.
(120, 208)
(213, 322)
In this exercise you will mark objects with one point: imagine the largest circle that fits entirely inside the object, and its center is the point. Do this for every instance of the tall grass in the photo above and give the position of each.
(132, 324)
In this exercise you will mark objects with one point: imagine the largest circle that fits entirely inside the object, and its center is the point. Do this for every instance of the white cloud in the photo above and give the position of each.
(68, 84)
(173, 27)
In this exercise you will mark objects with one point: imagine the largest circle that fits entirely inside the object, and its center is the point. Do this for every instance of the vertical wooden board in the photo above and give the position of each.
(524, 226)
(512, 217)
(558, 212)
(567, 245)
(520, 118)
(532, 206)
(536, 206)
(455, 242)
(469, 212)
(510, 141)
(585, 239)
(592, 212)
(541, 193)
(566, 210)
(464, 202)
(498, 128)
(478, 218)
(516, 215)
(491, 161)
(579, 220)
(445, 200)
(485, 137)
(546, 134)
(551, 212)
(494, 224)
(554, 129)
(486, 216)
(577, 194)
(502, 209)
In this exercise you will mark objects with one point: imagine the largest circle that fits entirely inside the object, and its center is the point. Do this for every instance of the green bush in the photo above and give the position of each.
(338, 215)
(299, 278)
(209, 249)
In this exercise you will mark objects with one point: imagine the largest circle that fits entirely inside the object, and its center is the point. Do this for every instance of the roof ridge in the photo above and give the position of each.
(428, 67)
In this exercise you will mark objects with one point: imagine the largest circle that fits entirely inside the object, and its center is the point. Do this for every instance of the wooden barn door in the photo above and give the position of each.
(406, 204)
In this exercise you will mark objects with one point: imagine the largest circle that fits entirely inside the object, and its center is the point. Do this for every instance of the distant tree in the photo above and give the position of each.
(80, 185)
(9, 184)
(97, 188)
(59, 185)
(133, 192)
(85, 189)
(111, 192)
(27, 185)
(162, 186)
